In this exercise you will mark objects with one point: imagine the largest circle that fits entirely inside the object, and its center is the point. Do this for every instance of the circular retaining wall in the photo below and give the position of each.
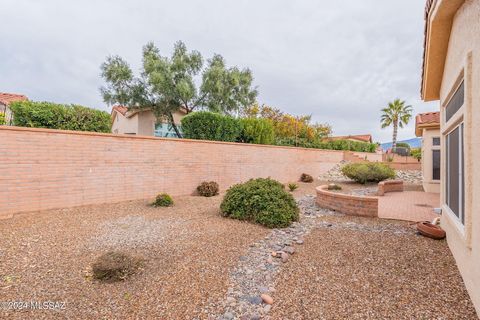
(347, 203)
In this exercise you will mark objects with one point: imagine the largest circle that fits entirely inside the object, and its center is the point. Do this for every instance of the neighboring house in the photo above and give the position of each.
(427, 126)
(5, 100)
(451, 74)
(358, 137)
(143, 123)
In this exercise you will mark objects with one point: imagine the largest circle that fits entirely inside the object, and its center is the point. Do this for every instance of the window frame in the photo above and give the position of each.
(454, 122)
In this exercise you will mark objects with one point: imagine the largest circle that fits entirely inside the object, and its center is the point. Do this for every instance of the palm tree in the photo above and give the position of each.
(396, 114)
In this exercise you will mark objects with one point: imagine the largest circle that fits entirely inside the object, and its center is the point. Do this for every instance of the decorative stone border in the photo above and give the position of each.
(346, 203)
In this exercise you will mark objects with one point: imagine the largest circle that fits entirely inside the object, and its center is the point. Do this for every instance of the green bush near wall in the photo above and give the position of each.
(329, 144)
(2, 118)
(257, 130)
(59, 116)
(211, 126)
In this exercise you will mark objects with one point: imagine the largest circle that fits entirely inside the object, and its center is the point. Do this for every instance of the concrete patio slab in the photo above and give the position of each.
(408, 205)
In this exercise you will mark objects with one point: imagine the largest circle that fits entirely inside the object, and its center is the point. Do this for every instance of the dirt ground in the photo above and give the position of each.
(189, 250)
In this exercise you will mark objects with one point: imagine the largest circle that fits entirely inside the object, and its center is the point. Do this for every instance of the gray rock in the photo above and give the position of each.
(254, 300)
(289, 249)
(228, 316)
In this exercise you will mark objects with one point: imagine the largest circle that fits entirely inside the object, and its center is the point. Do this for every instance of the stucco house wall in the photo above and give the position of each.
(140, 123)
(429, 184)
(463, 62)
(124, 125)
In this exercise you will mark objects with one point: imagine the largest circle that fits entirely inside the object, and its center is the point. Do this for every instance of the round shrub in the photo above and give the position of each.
(306, 178)
(262, 201)
(368, 172)
(163, 200)
(208, 189)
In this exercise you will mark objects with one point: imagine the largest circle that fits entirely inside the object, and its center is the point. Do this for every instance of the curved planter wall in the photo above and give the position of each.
(346, 203)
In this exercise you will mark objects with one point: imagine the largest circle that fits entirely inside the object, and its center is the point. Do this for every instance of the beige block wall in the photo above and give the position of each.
(43, 169)
(464, 57)
(429, 185)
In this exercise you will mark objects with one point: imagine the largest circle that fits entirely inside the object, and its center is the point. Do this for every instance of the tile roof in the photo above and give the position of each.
(7, 98)
(427, 119)
(121, 109)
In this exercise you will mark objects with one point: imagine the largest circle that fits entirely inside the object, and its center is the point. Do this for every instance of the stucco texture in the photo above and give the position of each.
(463, 61)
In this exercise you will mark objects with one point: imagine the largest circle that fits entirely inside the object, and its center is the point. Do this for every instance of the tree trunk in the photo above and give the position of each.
(395, 129)
(172, 122)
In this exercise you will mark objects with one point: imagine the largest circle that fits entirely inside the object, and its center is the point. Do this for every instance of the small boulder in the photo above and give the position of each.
(266, 298)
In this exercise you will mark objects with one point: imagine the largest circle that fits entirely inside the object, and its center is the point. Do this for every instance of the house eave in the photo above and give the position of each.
(439, 22)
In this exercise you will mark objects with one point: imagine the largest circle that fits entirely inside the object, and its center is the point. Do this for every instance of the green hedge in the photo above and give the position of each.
(206, 125)
(2, 118)
(257, 130)
(329, 144)
(211, 126)
(59, 116)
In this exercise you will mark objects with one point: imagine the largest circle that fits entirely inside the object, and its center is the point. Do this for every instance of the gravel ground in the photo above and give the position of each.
(46, 257)
(199, 265)
(341, 273)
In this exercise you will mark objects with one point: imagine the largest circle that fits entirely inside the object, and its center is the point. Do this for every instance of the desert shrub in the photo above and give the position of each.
(262, 201)
(115, 266)
(211, 126)
(163, 200)
(368, 172)
(416, 153)
(208, 189)
(333, 186)
(257, 130)
(292, 186)
(2, 118)
(59, 116)
(306, 178)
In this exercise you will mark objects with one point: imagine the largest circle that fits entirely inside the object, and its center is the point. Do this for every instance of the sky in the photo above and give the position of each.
(339, 61)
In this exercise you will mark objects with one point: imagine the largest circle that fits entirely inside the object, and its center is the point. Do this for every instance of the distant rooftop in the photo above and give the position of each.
(7, 98)
(427, 119)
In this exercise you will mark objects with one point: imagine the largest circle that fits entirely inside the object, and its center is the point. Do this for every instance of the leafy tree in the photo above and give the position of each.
(288, 127)
(167, 84)
(397, 114)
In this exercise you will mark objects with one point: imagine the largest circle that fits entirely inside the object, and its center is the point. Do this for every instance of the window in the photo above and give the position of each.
(455, 173)
(436, 141)
(455, 103)
(166, 130)
(436, 165)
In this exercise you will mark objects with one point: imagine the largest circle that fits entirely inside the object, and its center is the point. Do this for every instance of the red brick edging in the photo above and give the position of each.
(346, 203)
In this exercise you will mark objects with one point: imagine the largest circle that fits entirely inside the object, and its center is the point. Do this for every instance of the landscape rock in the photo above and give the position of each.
(267, 299)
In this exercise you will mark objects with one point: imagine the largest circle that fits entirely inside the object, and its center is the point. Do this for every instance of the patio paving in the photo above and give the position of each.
(408, 205)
